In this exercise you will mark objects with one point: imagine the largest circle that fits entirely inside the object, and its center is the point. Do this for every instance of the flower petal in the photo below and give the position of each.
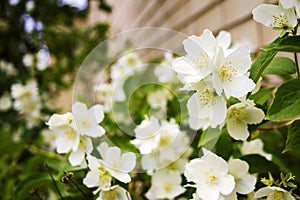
(97, 111)
(239, 86)
(128, 161)
(254, 115)
(238, 131)
(76, 157)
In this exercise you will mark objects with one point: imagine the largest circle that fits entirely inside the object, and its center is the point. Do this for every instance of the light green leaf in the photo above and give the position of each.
(281, 66)
(286, 103)
(262, 95)
(293, 137)
(209, 137)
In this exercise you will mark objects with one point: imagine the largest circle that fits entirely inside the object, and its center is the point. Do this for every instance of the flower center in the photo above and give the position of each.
(276, 195)
(238, 114)
(202, 61)
(280, 21)
(207, 97)
(211, 178)
(164, 141)
(70, 134)
(167, 187)
(226, 72)
(104, 176)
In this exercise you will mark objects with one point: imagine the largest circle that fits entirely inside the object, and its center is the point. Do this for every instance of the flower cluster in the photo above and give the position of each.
(165, 151)
(215, 179)
(217, 72)
(73, 134)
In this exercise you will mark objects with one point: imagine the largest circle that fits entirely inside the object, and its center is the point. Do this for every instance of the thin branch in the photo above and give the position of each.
(56, 187)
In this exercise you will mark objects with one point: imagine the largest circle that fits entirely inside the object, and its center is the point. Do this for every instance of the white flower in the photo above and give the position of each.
(117, 164)
(60, 121)
(147, 135)
(244, 182)
(49, 137)
(28, 60)
(114, 193)
(273, 193)
(130, 61)
(98, 176)
(165, 184)
(67, 139)
(8, 68)
(5, 102)
(287, 4)
(275, 16)
(230, 73)
(255, 147)
(206, 108)
(84, 147)
(86, 120)
(241, 114)
(211, 176)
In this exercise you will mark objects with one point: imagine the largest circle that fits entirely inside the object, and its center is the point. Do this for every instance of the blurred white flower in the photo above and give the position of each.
(8, 68)
(165, 184)
(49, 137)
(164, 71)
(27, 101)
(28, 60)
(147, 135)
(5, 102)
(275, 16)
(211, 176)
(131, 62)
(42, 59)
(86, 120)
(287, 4)
(239, 116)
(244, 182)
(255, 147)
(206, 108)
(273, 193)
(114, 193)
(117, 164)
(159, 98)
(97, 176)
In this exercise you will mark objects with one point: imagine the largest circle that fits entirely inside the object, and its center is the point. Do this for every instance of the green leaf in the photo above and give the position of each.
(262, 61)
(281, 66)
(209, 137)
(287, 44)
(293, 137)
(286, 103)
(262, 95)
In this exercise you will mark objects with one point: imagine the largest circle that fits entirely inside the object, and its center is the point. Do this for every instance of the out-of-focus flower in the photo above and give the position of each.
(255, 147)
(211, 176)
(8, 68)
(239, 116)
(275, 16)
(273, 193)
(163, 71)
(147, 135)
(288, 4)
(117, 164)
(5, 102)
(165, 184)
(114, 193)
(86, 120)
(159, 98)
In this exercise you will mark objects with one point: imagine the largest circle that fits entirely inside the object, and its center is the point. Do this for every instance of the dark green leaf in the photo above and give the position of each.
(293, 138)
(281, 66)
(263, 61)
(287, 44)
(262, 95)
(259, 164)
(286, 103)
